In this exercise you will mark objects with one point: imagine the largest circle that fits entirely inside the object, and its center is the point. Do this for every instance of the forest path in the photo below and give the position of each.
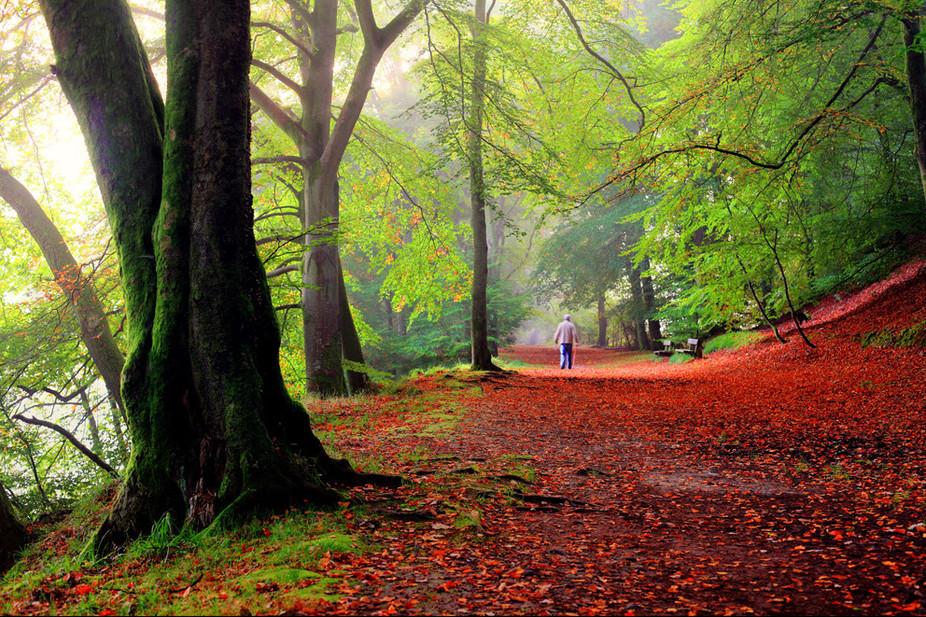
(696, 488)
(776, 478)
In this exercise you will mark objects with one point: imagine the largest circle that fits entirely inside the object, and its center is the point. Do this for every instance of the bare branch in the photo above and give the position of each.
(603, 60)
(275, 72)
(90, 454)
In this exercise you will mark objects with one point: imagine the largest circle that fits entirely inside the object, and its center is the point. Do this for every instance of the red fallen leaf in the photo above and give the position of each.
(83, 589)
(266, 532)
(106, 612)
(909, 608)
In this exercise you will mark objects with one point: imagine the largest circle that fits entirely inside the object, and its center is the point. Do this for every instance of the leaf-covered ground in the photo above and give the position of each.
(775, 478)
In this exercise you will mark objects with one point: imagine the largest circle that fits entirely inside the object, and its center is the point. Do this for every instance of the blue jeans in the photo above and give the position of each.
(565, 355)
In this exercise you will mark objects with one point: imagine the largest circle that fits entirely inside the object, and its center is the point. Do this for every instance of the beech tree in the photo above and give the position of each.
(81, 292)
(329, 333)
(216, 435)
(479, 326)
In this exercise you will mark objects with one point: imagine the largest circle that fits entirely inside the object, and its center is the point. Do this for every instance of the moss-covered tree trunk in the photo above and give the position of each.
(479, 321)
(916, 81)
(215, 432)
(12, 533)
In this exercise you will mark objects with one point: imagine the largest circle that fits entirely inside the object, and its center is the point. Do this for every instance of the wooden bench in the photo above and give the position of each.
(693, 347)
(666, 350)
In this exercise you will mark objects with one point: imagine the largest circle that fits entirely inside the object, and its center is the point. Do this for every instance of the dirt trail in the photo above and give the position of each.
(772, 479)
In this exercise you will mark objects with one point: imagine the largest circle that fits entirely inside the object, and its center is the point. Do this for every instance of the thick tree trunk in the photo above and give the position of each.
(321, 294)
(602, 322)
(81, 292)
(479, 329)
(12, 533)
(215, 432)
(916, 80)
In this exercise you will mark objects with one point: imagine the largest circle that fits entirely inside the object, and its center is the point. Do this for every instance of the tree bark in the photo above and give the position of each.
(12, 533)
(602, 323)
(216, 435)
(80, 290)
(916, 80)
(357, 381)
(639, 307)
(654, 329)
(479, 329)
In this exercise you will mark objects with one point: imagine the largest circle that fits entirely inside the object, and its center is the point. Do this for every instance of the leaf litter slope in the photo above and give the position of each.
(771, 479)
(776, 478)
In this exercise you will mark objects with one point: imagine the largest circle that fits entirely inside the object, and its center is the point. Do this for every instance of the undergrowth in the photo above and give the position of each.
(914, 336)
(284, 558)
(731, 340)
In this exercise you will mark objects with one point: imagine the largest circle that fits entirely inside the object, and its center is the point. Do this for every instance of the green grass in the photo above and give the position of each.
(914, 336)
(731, 340)
(281, 558)
(680, 358)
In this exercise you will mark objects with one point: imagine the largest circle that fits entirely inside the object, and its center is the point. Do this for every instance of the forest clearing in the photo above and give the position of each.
(462, 307)
(768, 479)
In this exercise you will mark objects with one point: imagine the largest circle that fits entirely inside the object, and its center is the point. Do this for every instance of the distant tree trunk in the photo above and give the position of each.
(654, 330)
(916, 80)
(602, 323)
(329, 336)
(12, 533)
(116, 415)
(214, 430)
(630, 334)
(496, 223)
(639, 321)
(91, 423)
(479, 327)
(321, 293)
(80, 291)
(357, 381)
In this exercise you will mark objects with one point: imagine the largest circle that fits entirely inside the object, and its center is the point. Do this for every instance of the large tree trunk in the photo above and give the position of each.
(321, 294)
(80, 291)
(215, 432)
(12, 533)
(916, 80)
(602, 323)
(479, 330)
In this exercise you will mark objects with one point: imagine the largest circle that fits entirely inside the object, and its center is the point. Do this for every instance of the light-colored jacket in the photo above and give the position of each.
(566, 332)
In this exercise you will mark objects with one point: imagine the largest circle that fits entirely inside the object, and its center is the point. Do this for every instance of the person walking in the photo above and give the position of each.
(566, 336)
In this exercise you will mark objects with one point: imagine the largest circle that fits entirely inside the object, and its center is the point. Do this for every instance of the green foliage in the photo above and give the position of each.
(781, 177)
(731, 340)
(913, 336)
